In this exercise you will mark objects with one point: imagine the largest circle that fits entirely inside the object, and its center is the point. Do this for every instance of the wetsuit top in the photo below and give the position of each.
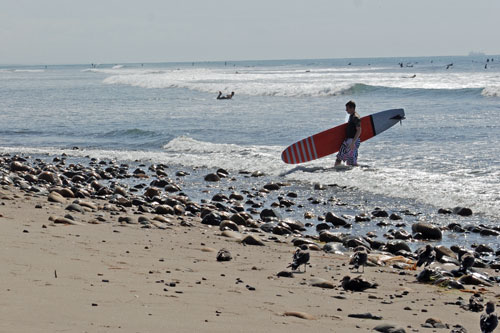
(352, 124)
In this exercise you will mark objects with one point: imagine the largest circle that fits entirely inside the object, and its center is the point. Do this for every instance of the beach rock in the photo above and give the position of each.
(219, 197)
(462, 211)
(482, 248)
(272, 187)
(327, 237)
(227, 224)
(442, 250)
(164, 209)
(444, 211)
(281, 230)
(474, 279)
(252, 240)
(127, 220)
(222, 173)
(379, 213)
(213, 218)
(64, 220)
(402, 234)
(151, 192)
(56, 197)
(396, 246)
(171, 188)
(286, 274)
(257, 174)
(435, 323)
(395, 217)
(238, 219)
(334, 219)
(269, 213)
(300, 241)
(231, 234)
(295, 225)
(87, 204)
(366, 315)
(427, 230)
(212, 177)
(17, 166)
(236, 196)
(322, 226)
(75, 208)
(321, 283)
(354, 241)
(389, 328)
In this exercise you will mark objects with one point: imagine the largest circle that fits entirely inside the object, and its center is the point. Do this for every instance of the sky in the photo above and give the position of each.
(124, 31)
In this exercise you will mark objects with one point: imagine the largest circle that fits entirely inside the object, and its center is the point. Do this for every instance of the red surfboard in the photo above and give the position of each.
(328, 142)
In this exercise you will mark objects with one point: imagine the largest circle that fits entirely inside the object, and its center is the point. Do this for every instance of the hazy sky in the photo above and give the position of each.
(114, 31)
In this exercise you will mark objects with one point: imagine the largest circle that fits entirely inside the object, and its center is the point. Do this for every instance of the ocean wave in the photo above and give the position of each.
(129, 133)
(491, 91)
(291, 83)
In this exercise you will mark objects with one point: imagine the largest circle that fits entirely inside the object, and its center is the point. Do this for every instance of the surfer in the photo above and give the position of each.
(349, 149)
(228, 96)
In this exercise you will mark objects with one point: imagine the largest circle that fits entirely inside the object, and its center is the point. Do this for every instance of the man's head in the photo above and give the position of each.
(350, 107)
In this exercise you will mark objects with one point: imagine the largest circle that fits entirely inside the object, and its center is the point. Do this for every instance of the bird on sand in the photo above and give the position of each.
(300, 257)
(356, 284)
(467, 262)
(359, 258)
(425, 256)
(489, 320)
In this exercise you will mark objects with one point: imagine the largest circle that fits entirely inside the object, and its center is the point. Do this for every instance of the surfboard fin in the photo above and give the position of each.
(400, 118)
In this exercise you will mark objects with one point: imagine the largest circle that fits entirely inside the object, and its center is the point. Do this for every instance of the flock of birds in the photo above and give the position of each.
(426, 256)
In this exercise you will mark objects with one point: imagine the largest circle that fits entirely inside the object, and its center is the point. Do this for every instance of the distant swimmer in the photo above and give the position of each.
(228, 96)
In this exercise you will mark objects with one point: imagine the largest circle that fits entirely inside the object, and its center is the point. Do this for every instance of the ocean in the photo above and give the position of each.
(445, 154)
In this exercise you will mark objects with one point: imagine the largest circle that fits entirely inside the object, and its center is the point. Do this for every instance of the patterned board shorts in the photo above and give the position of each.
(347, 155)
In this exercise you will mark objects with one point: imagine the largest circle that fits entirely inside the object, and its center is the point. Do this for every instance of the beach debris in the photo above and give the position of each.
(321, 283)
(298, 314)
(366, 315)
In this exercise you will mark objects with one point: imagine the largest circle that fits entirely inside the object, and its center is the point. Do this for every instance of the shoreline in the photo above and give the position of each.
(113, 267)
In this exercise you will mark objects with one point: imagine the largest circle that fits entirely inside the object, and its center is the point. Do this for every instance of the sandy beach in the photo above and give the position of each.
(97, 274)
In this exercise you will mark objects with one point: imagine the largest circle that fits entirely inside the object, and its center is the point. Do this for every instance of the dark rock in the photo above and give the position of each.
(334, 219)
(164, 209)
(269, 213)
(462, 211)
(327, 237)
(379, 213)
(212, 177)
(427, 230)
(396, 246)
(224, 255)
(285, 274)
(322, 226)
(272, 187)
(444, 211)
(213, 218)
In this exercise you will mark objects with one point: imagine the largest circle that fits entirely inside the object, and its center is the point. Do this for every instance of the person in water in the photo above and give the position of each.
(228, 96)
(349, 149)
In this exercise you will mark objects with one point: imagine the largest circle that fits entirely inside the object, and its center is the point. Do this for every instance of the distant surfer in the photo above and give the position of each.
(349, 149)
(228, 96)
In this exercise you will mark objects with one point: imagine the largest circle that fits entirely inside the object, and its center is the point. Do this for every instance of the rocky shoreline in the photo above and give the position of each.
(244, 229)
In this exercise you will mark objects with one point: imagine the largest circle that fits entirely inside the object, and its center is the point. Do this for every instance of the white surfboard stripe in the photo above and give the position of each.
(303, 149)
(293, 155)
(299, 158)
(314, 148)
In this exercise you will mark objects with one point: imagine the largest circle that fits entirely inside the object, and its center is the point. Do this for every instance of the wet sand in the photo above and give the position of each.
(105, 276)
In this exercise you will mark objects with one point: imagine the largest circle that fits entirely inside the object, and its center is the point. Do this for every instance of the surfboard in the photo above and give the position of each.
(328, 142)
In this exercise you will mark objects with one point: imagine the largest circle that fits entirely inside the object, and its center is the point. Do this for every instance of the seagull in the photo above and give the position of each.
(467, 262)
(300, 258)
(489, 320)
(356, 284)
(359, 258)
(425, 255)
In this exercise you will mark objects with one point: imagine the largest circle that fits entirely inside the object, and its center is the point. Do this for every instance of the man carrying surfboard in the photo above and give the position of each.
(349, 149)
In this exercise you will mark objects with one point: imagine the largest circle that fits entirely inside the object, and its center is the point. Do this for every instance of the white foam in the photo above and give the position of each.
(491, 91)
(293, 82)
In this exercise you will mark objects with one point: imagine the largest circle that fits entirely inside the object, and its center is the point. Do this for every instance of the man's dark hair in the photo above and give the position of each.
(351, 104)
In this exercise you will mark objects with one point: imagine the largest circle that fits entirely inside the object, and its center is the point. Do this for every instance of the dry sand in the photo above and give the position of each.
(111, 277)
